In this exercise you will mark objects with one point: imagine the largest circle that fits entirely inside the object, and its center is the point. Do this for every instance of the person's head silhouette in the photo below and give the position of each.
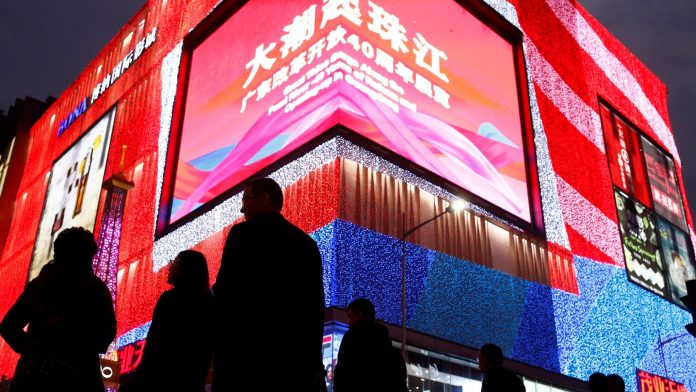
(261, 196)
(360, 310)
(76, 246)
(189, 270)
(490, 356)
(597, 382)
(615, 383)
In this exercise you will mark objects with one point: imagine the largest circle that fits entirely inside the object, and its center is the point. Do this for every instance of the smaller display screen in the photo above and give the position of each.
(678, 261)
(641, 250)
(623, 152)
(73, 191)
(666, 197)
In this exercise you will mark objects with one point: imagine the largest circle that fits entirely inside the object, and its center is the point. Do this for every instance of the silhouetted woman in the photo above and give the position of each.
(71, 320)
(179, 344)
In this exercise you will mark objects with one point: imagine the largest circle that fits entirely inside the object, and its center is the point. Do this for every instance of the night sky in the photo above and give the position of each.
(45, 44)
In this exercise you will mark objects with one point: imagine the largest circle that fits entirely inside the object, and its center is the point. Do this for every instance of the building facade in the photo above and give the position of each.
(576, 239)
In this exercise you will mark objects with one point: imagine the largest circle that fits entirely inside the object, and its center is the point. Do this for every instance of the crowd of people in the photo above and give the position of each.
(65, 318)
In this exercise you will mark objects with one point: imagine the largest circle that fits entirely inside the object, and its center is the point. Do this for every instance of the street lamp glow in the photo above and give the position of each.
(458, 205)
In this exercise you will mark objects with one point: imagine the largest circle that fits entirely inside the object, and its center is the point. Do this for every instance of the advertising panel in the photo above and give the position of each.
(73, 191)
(625, 160)
(663, 184)
(641, 250)
(678, 261)
(424, 79)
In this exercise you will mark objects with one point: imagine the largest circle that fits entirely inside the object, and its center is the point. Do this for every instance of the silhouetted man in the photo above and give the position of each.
(367, 361)
(70, 317)
(274, 334)
(497, 378)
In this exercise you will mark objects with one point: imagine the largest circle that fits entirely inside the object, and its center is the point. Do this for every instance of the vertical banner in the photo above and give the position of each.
(72, 197)
(663, 184)
(625, 161)
(678, 261)
(641, 251)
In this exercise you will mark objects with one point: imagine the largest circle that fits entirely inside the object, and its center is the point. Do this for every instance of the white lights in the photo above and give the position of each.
(167, 247)
(170, 73)
(551, 206)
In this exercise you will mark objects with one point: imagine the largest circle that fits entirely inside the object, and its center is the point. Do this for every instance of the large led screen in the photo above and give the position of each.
(425, 79)
(641, 250)
(73, 191)
(667, 199)
(678, 262)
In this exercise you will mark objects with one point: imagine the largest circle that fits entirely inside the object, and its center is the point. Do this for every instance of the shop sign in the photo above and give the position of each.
(648, 382)
(130, 356)
(119, 69)
(77, 112)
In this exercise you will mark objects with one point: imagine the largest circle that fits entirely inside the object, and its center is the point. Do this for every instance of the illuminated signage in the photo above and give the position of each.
(639, 236)
(77, 112)
(648, 382)
(72, 196)
(131, 355)
(426, 80)
(667, 199)
(119, 69)
(122, 66)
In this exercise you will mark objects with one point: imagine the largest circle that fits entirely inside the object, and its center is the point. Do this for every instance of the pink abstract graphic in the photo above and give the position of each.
(442, 95)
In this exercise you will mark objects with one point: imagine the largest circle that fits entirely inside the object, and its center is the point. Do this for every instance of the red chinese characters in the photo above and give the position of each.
(648, 382)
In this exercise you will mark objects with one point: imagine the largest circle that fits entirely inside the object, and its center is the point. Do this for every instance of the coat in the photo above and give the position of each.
(179, 346)
(275, 328)
(367, 361)
(71, 320)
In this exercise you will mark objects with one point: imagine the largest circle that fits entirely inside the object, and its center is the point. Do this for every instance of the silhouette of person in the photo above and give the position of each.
(71, 320)
(179, 348)
(367, 361)
(597, 382)
(615, 383)
(284, 265)
(497, 378)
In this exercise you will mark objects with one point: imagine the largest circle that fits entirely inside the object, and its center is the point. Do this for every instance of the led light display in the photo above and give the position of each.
(612, 326)
(551, 206)
(606, 59)
(421, 87)
(73, 191)
(225, 213)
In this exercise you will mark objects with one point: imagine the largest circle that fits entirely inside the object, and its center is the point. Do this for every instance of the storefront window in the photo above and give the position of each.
(427, 370)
